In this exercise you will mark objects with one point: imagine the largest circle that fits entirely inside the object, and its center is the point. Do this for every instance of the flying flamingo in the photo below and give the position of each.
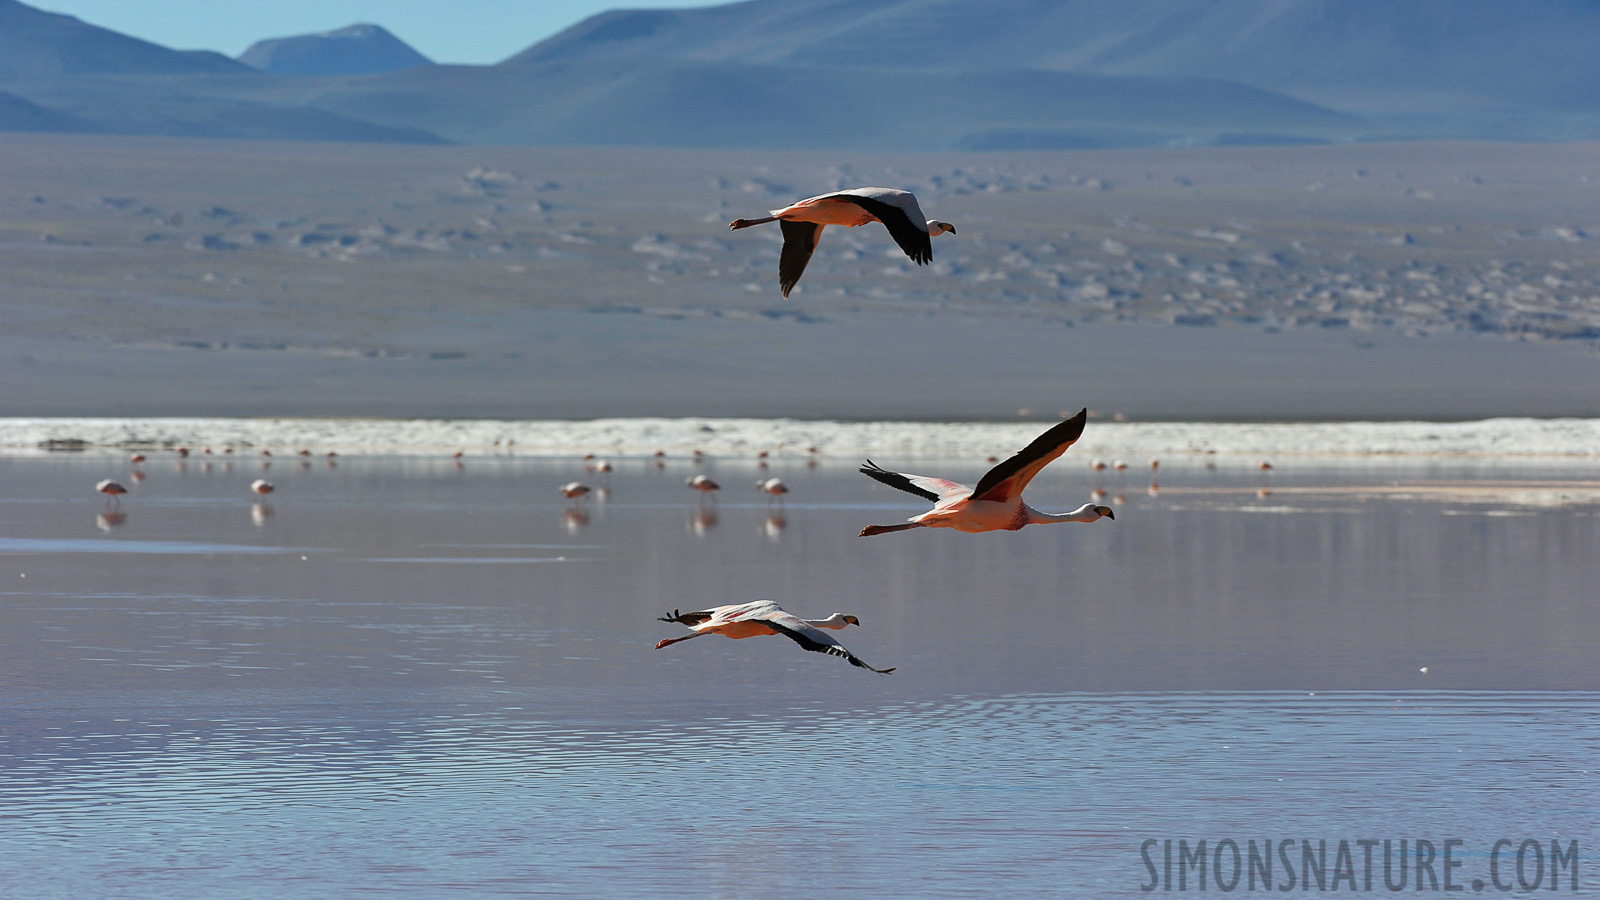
(742, 620)
(996, 503)
(802, 225)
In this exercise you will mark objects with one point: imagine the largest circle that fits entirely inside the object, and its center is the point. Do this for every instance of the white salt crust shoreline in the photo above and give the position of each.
(1505, 438)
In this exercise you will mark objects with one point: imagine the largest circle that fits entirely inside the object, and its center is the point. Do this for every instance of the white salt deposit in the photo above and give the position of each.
(1330, 442)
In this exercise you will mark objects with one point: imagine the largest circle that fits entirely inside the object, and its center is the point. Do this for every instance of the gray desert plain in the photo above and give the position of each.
(151, 275)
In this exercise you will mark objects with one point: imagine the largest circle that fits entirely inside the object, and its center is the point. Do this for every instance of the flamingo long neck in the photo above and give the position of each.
(835, 621)
(1084, 513)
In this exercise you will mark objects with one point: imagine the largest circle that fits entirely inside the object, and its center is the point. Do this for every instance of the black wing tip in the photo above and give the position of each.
(896, 480)
(690, 619)
(1077, 423)
(1067, 430)
(857, 662)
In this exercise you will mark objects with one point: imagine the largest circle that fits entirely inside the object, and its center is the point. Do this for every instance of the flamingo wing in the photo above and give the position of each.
(814, 639)
(924, 486)
(1008, 479)
(756, 609)
(736, 612)
(911, 235)
(799, 242)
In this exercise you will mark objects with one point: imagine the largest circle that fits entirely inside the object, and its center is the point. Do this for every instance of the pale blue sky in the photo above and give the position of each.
(451, 31)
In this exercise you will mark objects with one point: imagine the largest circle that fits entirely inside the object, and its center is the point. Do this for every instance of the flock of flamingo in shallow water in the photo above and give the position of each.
(994, 504)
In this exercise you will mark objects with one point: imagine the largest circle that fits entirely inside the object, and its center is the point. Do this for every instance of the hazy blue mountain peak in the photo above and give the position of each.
(360, 49)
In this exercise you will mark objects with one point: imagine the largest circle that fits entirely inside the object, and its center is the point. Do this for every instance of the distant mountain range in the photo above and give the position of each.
(862, 74)
(1366, 53)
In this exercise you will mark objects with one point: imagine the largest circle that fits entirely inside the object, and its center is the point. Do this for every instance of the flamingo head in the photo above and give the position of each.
(937, 227)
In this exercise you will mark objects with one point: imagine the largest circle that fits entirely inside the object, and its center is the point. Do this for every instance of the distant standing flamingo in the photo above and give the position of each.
(262, 486)
(112, 490)
(703, 484)
(773, 487)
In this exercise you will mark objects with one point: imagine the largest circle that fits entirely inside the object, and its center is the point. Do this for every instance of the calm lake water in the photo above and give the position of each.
(412, 678)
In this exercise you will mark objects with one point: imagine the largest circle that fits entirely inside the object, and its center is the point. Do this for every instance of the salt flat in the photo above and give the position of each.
(1492, 442)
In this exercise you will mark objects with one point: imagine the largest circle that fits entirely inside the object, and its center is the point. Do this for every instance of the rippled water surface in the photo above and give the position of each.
(416, 678)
